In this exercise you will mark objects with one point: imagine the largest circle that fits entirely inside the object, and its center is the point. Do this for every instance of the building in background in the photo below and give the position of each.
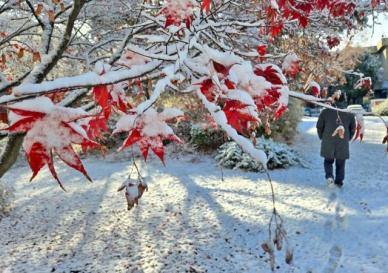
(380, 87)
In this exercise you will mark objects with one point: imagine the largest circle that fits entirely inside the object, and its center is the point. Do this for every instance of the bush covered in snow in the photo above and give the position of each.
(6, 196)
(382, 108)
(279, 155)
(206, 139)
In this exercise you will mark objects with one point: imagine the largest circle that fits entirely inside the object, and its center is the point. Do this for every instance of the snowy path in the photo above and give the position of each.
(191, 221)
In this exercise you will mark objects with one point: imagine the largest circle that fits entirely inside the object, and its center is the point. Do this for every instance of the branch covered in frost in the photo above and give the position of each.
(220, 117)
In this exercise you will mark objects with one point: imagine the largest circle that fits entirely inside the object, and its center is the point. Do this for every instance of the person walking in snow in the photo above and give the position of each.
(335, 130)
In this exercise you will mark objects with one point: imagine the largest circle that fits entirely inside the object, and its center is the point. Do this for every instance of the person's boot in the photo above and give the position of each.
(339, 184)
(330, 182)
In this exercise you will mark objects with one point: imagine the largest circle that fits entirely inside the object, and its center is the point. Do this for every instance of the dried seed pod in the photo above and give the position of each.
(278, 239)
(289, 255)
(268, 247)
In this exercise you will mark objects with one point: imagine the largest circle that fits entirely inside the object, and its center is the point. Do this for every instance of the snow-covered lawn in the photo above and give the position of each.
(191, 220)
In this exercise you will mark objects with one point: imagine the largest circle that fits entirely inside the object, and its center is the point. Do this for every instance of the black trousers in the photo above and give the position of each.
(339, 169)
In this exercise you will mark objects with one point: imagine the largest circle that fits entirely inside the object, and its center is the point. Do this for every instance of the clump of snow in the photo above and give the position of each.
(289, 61)
(179, 10)
(56, 129)
(130, 58)
(150, 122)
(225, 58)
(101, 68)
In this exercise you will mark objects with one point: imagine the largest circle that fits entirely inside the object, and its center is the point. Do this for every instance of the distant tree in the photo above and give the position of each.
(368, 66)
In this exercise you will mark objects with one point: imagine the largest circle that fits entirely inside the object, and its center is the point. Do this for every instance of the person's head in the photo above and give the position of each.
(336, 95)
(324, 92)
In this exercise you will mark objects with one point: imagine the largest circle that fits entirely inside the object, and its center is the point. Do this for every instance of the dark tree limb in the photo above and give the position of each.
(14, 143)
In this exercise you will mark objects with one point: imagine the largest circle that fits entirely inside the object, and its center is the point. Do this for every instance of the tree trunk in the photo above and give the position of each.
(10, 153)
(14, 143)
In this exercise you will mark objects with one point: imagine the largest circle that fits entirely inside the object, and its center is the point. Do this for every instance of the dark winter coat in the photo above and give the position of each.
(328, 121)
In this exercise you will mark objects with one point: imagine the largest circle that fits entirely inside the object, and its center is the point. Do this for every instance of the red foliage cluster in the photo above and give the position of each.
(42, 141)
(239, 114)
(139, 126)
(277, 12)
(332, 41)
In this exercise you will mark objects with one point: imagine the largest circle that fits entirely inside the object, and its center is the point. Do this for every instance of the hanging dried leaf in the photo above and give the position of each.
(36, 57)
(289, 255)
(20, 53)
(38, 9)
(51, 16)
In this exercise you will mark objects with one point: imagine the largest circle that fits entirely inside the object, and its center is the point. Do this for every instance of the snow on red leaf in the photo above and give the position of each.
(133, 137)
(67, 155)
(148, 130)
(271, 97)
(291, 66)
(94, 129)
(238, 115)
(207, 88)
(22, 125)
(229, 84)
(103, 98)
(177, 12)
(314, 89)
(220, 68)
(52, 129)
(270, 74)
(276, 29)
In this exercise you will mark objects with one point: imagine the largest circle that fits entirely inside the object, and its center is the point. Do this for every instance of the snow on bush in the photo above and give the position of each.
(279, 155)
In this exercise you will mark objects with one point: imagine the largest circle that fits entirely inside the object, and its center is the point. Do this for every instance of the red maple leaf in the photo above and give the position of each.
(238, 115)
(222, 69)
(49, 131)
(332, 41)
(170, 20)
(261, 50)
(206, 4)
(271, 74)
(148, 131)
(94, 128)
(207, 88)
(103, 98)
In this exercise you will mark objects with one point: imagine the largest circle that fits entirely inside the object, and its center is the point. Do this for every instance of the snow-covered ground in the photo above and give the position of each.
(191, 220)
